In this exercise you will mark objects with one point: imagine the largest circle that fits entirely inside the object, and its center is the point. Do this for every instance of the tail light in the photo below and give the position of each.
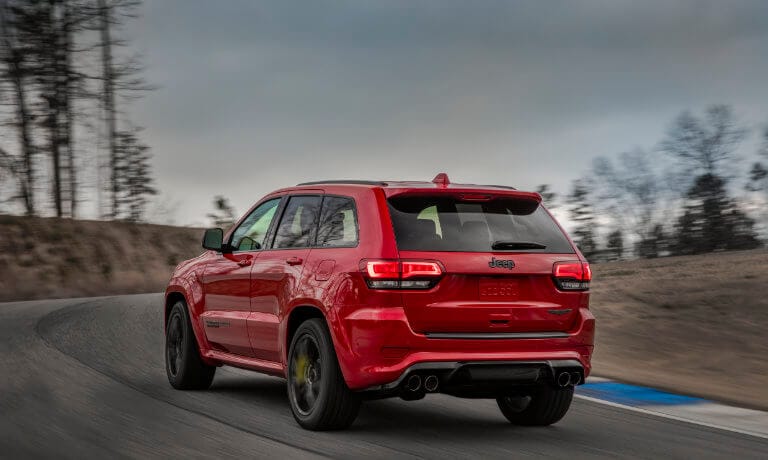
(572, 275)
(401, 274)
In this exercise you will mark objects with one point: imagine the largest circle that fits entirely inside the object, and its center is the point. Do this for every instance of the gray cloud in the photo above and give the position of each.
(257, 95)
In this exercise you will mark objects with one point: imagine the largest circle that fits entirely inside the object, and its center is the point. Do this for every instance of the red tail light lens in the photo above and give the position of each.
(401, 274)
(382, 269)
(416, 269)
(572, 275)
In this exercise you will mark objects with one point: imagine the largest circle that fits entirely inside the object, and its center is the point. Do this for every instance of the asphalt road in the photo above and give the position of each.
(85, 378)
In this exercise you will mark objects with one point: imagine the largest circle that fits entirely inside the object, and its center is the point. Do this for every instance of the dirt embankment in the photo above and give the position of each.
(693, 324)
(49, 258)
(690, 324)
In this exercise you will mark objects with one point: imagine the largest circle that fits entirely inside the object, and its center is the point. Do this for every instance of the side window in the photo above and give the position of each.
(251, 233)
(298, 223)
(338, 222)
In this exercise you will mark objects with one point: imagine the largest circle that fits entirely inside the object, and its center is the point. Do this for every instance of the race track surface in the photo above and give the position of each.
(85, 378)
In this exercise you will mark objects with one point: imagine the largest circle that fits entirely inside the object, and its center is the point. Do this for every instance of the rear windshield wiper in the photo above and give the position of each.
(517, 245)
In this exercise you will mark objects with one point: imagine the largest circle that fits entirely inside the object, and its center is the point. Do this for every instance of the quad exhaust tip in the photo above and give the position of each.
(565, 379)
(575, 378)
(430, 383)
(413, 383)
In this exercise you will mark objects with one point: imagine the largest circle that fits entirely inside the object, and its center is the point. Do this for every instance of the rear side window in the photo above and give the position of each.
(298, 222)
(338, 223)
(439, 223)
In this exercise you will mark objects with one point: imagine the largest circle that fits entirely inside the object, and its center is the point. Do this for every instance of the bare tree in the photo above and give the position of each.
(758, 175)
(116, 78)
(47, 28)
(631, 190)
(757, 181)
(40, 46)
(705, 145)
(15, 72)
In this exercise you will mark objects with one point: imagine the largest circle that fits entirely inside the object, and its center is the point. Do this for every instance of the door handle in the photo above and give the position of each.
(294, 261)
(244, 262)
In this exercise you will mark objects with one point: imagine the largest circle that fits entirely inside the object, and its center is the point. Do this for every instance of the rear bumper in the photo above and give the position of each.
(377, 348)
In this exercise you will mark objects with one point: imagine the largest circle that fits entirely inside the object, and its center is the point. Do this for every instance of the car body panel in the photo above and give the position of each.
(377, 334)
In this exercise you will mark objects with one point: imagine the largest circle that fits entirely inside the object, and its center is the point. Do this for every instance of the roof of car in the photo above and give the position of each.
(440, 181)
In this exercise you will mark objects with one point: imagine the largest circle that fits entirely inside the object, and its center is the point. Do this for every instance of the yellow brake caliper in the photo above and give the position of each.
(301, 367)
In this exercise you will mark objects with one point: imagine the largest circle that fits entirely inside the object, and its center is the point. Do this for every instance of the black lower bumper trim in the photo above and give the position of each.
(483, 372)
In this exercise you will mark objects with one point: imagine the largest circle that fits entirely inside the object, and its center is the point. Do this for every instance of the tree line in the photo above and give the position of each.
(690, 194)
(65, 74)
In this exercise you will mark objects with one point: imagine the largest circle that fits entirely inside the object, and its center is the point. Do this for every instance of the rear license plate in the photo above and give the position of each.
(498, 289)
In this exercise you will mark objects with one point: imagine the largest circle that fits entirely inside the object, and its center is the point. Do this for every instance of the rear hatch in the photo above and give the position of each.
(497, 253)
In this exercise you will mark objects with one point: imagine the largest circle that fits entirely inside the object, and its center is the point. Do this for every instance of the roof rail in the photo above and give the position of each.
(500, 186)
(350, 182)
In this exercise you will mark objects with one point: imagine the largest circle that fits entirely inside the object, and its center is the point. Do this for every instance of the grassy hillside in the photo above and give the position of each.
(695, 324)
(48, 257)
(692, 324)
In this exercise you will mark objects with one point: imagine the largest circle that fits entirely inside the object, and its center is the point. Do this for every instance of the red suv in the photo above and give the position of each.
(355, 290)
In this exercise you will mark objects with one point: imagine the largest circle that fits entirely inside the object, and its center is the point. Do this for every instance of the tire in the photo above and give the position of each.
(546, 405)
(185, 369)
(319, 397)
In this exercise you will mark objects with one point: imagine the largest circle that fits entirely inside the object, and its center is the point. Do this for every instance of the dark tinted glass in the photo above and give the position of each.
(338, 222)
(435, 223)
(298, 222)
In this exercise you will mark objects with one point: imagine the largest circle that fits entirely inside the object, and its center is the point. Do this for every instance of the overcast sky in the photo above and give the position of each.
(256, 95)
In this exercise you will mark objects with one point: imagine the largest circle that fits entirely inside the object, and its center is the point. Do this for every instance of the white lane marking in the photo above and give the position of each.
(751, 420)
(673, 417)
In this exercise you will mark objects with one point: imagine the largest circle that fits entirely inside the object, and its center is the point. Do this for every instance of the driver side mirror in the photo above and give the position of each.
(213, 239)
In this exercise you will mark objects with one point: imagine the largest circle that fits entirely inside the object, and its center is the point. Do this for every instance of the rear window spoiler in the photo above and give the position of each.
(464, 194)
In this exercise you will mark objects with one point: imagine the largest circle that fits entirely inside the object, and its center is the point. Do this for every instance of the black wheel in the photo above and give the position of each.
(185, 369)
(319, 396)
(545, 406)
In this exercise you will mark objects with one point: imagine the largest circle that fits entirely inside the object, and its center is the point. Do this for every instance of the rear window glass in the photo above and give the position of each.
(434, 223)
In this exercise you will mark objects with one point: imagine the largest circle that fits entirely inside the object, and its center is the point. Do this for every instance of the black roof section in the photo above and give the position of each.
(351, 182)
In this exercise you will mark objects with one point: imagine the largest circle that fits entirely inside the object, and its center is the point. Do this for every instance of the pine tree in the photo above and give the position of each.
(224, 215)
(654, 245)
(615, 244)
(711, 221)
(582, 214)
(547, 196)
(134, 174)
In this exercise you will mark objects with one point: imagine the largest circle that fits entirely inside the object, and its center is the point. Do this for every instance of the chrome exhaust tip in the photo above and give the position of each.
(564, 379)
(413, 383)
(430, 383)
(575, 378)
